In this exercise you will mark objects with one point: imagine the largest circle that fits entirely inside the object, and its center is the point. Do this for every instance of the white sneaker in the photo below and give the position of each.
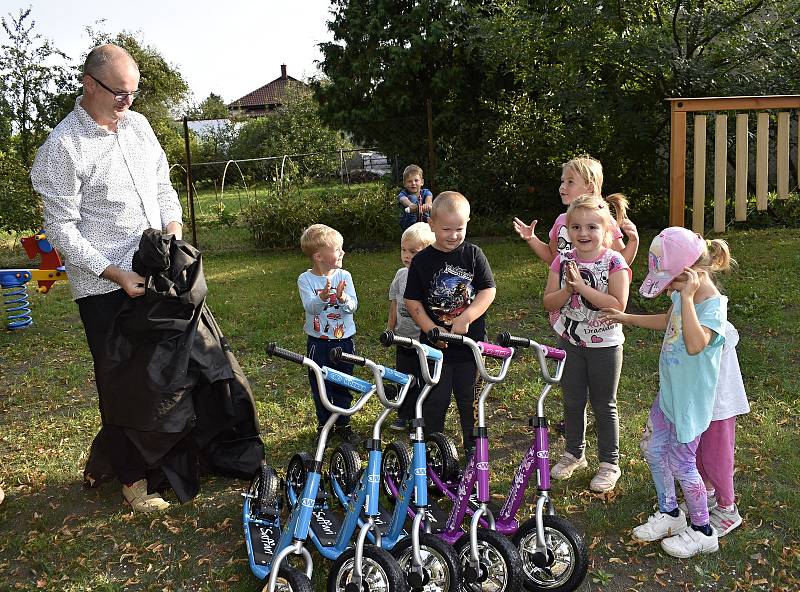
(724, 522)
(606, 478)
(567, 465)
(660, 525)
(690, 542)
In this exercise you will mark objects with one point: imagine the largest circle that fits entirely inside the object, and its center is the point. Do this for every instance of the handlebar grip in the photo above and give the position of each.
(436, 334)
(274, 350)
(506, 339)
(337, 355)
(495, 351)
(389, 338)
(555, 353)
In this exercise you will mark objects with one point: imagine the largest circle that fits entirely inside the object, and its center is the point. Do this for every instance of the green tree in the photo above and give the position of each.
(293, 128)
(388, 58)
(212, 107)
(33, 82)
(593, 76)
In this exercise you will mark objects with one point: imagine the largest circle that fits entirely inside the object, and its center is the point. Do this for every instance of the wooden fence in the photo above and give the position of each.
(780, 105)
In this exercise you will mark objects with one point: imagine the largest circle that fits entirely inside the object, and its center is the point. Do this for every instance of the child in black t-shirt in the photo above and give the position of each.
(450, 285)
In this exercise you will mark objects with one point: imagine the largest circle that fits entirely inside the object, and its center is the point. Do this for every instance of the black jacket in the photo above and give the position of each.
(177, 388)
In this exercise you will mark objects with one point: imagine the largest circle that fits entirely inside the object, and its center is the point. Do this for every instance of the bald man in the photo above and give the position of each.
(104, 179)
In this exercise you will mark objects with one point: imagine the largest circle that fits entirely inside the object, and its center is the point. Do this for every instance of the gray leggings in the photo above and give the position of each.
(591, 373)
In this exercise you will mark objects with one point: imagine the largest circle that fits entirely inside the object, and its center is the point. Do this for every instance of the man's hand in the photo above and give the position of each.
(130, 281)
(175, 228)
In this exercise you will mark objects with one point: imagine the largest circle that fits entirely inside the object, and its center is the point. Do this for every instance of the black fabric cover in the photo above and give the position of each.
(171, 380)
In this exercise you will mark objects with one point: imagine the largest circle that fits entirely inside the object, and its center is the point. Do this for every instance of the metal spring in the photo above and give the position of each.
(17, 307)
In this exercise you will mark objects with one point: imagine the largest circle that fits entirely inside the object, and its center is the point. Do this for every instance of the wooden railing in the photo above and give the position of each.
(721, 105)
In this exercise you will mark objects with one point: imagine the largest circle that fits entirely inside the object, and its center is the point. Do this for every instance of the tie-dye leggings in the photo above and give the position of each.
(670, 460)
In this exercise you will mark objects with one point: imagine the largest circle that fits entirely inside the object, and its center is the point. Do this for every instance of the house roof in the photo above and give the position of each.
(272, 93)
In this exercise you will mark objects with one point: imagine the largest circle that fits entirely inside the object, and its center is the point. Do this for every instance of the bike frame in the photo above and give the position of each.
(294, 535)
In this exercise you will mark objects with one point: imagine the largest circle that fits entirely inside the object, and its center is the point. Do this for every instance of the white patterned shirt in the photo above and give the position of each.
(100, 191)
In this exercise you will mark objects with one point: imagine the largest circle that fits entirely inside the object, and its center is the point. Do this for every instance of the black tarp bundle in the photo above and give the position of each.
(171, 381)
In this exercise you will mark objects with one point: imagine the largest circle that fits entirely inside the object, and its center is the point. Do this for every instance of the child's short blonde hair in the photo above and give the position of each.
(418, 234)
(587, 168)
(319, 236)
(450, 202)
(412, 169)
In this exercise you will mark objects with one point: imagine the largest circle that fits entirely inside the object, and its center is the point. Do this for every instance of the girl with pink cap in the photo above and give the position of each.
(682, 263)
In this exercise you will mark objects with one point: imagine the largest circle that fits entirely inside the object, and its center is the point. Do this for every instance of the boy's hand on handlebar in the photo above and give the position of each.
(460, 326)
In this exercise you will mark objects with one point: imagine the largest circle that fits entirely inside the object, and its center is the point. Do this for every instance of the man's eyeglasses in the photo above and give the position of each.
(120, 97)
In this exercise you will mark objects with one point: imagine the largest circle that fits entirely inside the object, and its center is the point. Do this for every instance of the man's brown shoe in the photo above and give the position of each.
(136, 495)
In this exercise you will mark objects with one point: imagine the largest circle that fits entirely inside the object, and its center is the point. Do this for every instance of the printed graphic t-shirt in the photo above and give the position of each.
(688, 383)
(446, 284)
(578, 320)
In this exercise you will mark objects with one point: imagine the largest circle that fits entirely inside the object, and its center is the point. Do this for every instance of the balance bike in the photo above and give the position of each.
(261, 511)
(362, 566)
(428, 562)
(490, 561)
(554, 554)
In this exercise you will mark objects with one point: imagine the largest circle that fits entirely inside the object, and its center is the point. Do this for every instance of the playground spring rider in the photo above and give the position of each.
(13, 281)
(428, 562)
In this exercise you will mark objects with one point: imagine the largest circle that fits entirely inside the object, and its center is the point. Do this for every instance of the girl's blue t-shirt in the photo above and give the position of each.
(687, 383)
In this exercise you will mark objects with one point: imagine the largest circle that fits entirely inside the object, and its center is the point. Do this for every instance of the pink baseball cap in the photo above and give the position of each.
(674, 249)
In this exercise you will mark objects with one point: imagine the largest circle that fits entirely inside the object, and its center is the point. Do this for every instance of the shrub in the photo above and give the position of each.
(366, 216)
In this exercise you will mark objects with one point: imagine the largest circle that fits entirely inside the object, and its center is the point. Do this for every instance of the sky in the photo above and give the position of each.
(229, 47)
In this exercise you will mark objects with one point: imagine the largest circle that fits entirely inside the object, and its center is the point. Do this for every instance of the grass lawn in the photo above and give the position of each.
(56, 536)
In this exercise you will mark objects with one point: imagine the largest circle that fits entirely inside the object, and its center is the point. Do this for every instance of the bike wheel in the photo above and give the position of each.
(567, 561)
(381, 571)
(263, 489)
(394, 464)
(500, 568)
(439, 561)
(290, 580)
(344, 467)
(442, 455)
(297, 473)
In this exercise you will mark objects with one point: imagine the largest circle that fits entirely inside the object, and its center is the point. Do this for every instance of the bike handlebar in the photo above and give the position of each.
(542, 352)
(337, 355)
(274, 350)
(479, 349)
(507, 339)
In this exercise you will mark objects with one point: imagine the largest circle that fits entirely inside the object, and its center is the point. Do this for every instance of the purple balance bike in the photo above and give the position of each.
(490, 561)
(554, 554)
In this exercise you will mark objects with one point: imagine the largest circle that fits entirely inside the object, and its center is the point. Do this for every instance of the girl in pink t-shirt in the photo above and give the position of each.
(580, 176)
(581, 283)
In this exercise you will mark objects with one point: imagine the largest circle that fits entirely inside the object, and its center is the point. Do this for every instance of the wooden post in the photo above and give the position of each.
(677, 166)
(742, 165)
(431, 152)
(189, 182)
(699, 175)
(782, 154)
(762, 161)
(720, 170)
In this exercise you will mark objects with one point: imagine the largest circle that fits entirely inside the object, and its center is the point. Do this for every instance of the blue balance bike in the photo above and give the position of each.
(428, 562)
(360, 567)
(270, 543)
